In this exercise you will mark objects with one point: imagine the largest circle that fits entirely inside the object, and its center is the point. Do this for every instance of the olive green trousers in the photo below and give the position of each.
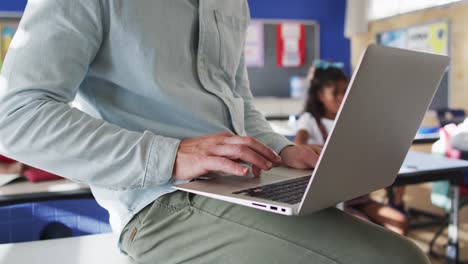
(186, 228)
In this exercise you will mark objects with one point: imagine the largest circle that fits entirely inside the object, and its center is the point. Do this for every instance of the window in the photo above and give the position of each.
(387, 8)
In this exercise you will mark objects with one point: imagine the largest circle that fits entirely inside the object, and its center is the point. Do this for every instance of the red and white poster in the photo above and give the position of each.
(254, 46)
(290, 42)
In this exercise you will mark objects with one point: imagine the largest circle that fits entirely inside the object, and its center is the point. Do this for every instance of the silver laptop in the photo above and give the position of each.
(387, 98)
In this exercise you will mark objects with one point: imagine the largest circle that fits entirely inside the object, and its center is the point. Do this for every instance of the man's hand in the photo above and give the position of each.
(301, 156)
(222, 152)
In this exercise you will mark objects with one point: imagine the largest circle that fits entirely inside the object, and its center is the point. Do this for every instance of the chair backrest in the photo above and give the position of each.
(451, 116)
(464, 188)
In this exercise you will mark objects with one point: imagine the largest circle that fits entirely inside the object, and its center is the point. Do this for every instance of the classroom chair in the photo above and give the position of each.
(462, 203)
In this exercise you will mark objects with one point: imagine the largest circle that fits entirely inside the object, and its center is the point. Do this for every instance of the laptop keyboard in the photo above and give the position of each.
(290, 191)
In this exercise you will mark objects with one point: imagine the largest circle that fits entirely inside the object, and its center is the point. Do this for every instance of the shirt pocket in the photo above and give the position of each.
(231, 31)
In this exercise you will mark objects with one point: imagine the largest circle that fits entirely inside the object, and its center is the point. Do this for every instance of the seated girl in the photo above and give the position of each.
(327, 89)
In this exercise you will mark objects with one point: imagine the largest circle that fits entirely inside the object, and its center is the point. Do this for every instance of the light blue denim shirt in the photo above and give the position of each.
(154, 71)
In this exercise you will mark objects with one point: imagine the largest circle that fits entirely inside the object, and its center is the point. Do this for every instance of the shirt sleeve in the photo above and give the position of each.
(460, 141)
(308, 123)
(48, 59)
(303, 123)
(255, 123)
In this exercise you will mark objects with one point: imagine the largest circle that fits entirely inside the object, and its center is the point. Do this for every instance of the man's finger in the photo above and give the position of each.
(256, 145)
(219, 164)
(256, 171)
(214, 139)
(224, 134)
(310, 159)
(315, 148)
(240, 152)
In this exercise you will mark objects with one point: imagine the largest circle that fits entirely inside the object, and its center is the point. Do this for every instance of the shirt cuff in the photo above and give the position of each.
(161, 159)
(460, 141)
(275, 141)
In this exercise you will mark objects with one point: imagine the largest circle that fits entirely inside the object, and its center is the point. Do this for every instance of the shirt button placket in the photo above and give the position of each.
(201, 64)
(234, 116)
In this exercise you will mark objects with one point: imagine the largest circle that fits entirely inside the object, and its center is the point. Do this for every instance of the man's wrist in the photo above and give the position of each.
(286, 147)
(275, 141)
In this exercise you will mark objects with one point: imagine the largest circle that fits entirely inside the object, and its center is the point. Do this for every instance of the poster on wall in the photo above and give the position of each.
(254, 47)
(7, 31)
(290, 39)
(396, 39)
(430, 38)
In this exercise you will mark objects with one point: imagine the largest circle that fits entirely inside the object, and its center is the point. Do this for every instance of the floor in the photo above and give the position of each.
(418, 196)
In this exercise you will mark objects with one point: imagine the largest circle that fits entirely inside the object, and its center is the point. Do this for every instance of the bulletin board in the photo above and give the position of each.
(269, 79)
(8, 27)
(431, 37)
(266, 80)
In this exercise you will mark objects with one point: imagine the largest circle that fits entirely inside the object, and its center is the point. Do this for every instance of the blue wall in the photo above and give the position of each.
(330, 14)
(12, 5)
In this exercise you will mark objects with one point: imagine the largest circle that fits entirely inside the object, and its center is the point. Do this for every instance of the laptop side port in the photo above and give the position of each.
(273, 208)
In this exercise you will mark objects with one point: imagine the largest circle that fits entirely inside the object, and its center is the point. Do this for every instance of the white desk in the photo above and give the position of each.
(24, 191)
(91, 249)
(25, 187)
(423, 167)
(275, 106)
